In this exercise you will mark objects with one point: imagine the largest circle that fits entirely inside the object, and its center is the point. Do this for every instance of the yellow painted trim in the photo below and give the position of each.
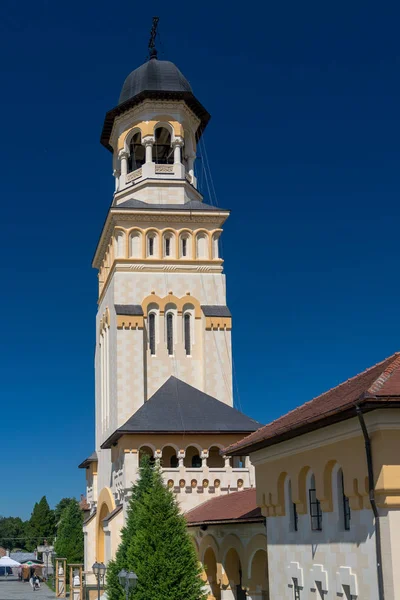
(105, 505)
(172, 299)
(130, 322)
(218, 323)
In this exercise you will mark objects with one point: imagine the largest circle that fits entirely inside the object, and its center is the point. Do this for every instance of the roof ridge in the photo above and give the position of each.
(335, 387)
(394, 357)
(386, 374)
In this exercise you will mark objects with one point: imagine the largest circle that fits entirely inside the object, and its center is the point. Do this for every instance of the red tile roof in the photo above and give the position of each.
(377, 386)
(237, 507)
(84, 505)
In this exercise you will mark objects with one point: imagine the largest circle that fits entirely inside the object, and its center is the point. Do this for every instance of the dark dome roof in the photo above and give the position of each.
(154, 75)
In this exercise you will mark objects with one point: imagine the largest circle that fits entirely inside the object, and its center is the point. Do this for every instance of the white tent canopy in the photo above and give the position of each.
(6, 561)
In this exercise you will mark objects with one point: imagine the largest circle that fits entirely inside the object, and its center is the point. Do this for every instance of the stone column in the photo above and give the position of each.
(204, 456)
(116, 174)
(123, 157)
(148, 142)
(177, 144)
(181, 458)
(190, 161)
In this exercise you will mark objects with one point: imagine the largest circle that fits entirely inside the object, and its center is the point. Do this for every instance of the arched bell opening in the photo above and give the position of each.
(162, 151)
(137, 156)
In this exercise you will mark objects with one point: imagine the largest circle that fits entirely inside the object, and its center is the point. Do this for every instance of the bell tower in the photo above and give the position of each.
(162, 305)
(163, 363)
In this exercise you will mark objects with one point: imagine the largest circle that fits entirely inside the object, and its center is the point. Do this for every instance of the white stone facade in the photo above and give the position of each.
(164, 264)
(325, 563)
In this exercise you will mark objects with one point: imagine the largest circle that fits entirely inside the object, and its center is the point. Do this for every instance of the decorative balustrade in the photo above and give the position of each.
(159, 169)
(134, 175)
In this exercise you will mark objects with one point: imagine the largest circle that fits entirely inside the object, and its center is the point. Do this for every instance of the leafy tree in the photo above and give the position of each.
(143, 485)
(161, 552)
(60, 507)
(12, 532)
(41, 525)
(69, 543)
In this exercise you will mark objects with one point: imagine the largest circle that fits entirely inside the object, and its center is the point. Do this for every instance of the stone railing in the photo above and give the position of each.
(161, 169)
(206, 478)
(134, 175)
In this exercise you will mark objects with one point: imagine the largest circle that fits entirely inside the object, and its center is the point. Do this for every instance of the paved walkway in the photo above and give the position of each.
(13, 589)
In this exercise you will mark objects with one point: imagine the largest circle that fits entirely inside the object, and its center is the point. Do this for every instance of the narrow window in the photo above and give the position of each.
(295, 517)
(296, 588)
(346, 507)
(184, 246)
(170, 334)
(315, 510)
(151, 246)
(187, 334)
(152, 333)
(167, 246)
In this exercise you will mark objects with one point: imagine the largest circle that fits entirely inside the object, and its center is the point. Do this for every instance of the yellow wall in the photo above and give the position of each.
(321, 458)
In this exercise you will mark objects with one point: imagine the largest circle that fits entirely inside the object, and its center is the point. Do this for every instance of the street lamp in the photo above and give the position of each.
(99, 570)
(47, 551)
(128, 581)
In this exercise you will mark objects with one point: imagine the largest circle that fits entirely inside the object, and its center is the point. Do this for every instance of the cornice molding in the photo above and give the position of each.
(216, 218)
(124, 121)
(158, 266)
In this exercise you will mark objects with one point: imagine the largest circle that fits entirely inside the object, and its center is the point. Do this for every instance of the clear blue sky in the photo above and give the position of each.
(304, 148)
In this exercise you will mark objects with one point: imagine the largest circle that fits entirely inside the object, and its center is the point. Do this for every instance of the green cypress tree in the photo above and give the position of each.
(69, 543)
(121, 561)
(41, 525)
(161, 551)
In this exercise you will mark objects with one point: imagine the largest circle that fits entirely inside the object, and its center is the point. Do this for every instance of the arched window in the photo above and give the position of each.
(135, 245)
(192, 458)
(201, 246)
(315, 506)
(119, 244)
(152, 333)
(163, 153)
(215, 460)
(293, 516)
(187, 326)
(185, 246)
(151, 244)
(169, 245)
(169, 458)
(215, 245)
(136, 153)
(170, 333)
(343, 502)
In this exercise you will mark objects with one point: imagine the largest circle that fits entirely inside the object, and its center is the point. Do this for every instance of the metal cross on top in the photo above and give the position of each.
(153, 33)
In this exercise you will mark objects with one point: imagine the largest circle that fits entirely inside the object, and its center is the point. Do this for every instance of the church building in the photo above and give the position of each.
(163, 363)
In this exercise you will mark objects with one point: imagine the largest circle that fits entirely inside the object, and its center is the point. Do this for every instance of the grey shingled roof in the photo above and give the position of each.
(191, 205)
(180, 407)
(112, 514)
(129, 309)
(154, 75)
(92, 458)
(214, 310)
